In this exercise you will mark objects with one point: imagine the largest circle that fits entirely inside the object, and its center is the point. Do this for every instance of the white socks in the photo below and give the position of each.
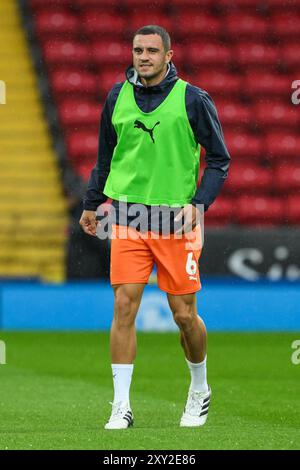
(122, 374)
(198, 376)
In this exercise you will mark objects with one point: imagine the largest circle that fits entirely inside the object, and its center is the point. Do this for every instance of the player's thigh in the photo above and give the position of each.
(131, 260)
(177, 266)
(183, 303)
(127, 299)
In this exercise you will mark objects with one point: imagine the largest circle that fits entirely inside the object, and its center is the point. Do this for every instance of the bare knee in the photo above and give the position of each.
(184, 318)
(126, 305)
(184, 310)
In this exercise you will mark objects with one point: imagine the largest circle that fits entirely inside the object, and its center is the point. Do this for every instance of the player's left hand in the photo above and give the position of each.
(191, 217)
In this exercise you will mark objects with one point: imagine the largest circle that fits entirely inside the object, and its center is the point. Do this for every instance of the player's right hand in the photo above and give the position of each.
(88, 222)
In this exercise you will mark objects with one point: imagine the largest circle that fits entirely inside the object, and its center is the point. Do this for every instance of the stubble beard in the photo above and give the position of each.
(151, 75)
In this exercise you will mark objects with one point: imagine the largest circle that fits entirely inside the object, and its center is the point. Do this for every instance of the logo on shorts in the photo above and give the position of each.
(141, 125)
(191, 267)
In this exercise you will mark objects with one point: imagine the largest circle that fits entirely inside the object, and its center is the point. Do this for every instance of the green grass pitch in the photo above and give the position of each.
(56, 388)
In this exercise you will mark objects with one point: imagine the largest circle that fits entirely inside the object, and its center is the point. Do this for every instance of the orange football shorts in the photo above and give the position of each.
(133, 255)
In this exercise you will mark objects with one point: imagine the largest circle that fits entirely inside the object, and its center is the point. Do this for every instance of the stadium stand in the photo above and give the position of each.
(33, 212)
(243, 52)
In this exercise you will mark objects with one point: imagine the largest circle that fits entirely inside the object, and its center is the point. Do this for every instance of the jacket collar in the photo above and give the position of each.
(133, 78)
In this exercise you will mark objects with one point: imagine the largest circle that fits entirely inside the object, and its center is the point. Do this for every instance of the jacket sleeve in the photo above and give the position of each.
(107, 141)
(208, 132)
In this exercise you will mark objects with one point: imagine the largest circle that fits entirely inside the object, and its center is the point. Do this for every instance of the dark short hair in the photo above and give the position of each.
(154, 29)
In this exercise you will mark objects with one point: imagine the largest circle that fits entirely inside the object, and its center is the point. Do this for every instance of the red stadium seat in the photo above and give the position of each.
(183, 4)
(244, 145)
(106, 80)
(220, 212)
(282, 145)
(179, 54)
(101, 4)
(241, 26)
(234, 114)
(286, 25)
(257, 84)
(82, 146)
(54, 4)
(211, 54)
(84, 169)
(290, 55)
(259, 54)
(238, 4)
(100, 23)
(51, 4)
(73, 81)
(66, 53)
(292, 210)
(287, 178)
(79, 113)
(146, 16)
(137, 4)
(56, 24)
(260, 210)
(249, 178)
(289, 6)
(220, 83)
(242, 52)
(111, 52)
(196, 23)
(269, 115)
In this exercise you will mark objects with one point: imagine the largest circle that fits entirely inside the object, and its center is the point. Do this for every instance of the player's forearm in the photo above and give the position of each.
(94, 194)
(210, 186)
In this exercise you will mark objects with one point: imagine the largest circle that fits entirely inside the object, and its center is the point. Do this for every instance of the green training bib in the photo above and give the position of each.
(156, 159)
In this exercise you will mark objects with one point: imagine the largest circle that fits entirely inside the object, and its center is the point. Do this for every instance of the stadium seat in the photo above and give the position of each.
(244, 145)
(290, 55)
(77, 113)
(183, 4)
(287, 178)
(220, 83)
(82, 146)
(60, 53)
(250, 179)
(242, 52)
(282, 145)
(280, 115)
(241, 26)
(106, 81)
(208, 54)
(101, 4)
(259, 210)
(262, 84)
(159, 5)
(233, 114)
(220, 212)
(191, 24)
(286, 26)
(179, 54)
(256, 54)
(73, 82)
(56, 24)
(108, 52)
(84, 170)
(97, 23)
(292, 209)
(292, 6)
(51, 4)
(238, 4)
(145, 16)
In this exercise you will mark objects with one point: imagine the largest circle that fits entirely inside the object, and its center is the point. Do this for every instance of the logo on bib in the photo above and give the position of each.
(141, 125)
